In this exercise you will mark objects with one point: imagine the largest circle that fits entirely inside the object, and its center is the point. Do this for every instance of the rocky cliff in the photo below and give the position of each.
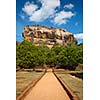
(49, 36)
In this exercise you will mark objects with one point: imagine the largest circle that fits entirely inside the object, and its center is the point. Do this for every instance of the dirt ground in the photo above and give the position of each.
(48, 88)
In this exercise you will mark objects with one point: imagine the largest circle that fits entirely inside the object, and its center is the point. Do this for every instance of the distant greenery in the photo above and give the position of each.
(29, 55)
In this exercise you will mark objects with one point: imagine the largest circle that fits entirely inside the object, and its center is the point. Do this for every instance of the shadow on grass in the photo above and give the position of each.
(79, 75)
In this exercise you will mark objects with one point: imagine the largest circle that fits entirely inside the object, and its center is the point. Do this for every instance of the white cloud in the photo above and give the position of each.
(50, 3)
(62, 17)
(41, 14)
(69, 6)
(29, 8)
(78, 36)
(47, 9)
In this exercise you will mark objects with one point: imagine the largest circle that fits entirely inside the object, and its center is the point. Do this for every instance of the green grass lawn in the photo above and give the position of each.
(24, 78)
(74, 83)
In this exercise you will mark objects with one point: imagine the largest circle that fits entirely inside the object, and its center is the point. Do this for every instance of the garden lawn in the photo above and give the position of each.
(74, 83)
(24, 78)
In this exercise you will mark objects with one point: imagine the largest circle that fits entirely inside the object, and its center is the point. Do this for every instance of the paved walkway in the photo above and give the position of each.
(48, 88)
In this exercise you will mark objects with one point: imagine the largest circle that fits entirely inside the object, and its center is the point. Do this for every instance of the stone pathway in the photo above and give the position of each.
(48, 88)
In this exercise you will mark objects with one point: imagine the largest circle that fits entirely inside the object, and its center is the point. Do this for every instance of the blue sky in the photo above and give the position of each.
(67, 14)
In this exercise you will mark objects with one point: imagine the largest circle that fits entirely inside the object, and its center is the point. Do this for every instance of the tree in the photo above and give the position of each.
(29, 55)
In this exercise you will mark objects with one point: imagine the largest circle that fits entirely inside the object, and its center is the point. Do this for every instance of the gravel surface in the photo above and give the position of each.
(48, 88)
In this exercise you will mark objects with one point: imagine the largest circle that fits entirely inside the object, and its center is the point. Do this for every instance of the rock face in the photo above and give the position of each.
(49, 36)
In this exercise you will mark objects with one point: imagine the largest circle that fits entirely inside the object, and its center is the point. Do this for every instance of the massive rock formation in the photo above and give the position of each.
(49, 36)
